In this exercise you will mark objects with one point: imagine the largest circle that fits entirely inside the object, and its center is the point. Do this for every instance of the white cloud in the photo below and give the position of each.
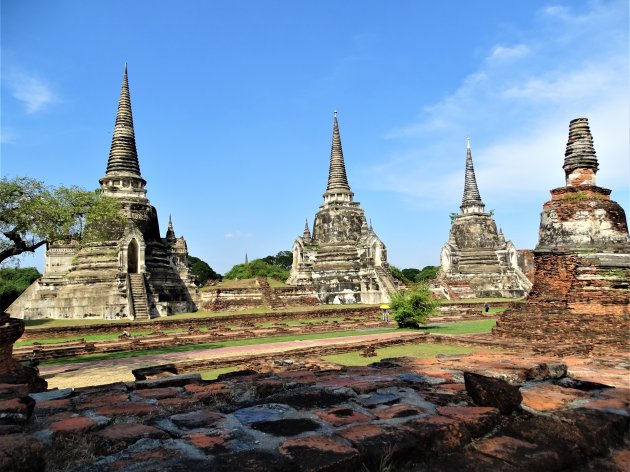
(35, 93)
(518, 112)
(238, 235)
(509, 53)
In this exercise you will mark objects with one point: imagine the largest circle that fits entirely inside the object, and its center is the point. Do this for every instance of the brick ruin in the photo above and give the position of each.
(483, 412)
(477, 261)
(137, 275)
(260, 295)
(581, 295)
(343, 260)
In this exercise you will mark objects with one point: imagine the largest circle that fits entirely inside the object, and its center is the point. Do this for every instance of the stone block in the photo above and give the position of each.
(487, 391)
(320, 453)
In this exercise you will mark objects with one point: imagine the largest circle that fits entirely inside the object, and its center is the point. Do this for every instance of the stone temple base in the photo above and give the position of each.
(580, 303)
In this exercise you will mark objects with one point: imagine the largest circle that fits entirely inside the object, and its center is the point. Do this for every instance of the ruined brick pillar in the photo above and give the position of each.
(580, 300)
(11, 371)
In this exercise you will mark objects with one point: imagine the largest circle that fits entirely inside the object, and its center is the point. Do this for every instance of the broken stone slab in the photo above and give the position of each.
(546, 370)
(421, 379)
(55, 394)
(267, 412)
(196, 419)
(488, 391)
(153, 372)
(375, 399)
(175, 381)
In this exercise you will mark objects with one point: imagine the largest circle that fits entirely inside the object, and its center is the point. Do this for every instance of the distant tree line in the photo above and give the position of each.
(411, 275)
(202, 271)
(277, 267)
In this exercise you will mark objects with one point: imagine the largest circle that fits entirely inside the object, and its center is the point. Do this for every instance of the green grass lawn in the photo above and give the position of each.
(420, 351)
(463, 327)
(212, 374)
(214, 345)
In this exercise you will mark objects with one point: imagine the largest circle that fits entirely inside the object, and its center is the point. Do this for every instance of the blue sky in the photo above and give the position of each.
(233, 107)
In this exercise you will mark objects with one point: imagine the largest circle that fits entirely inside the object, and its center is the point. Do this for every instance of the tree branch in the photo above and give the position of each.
(20, 246)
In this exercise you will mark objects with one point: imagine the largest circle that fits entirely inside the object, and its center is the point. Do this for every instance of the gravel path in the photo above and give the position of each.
(119, 370)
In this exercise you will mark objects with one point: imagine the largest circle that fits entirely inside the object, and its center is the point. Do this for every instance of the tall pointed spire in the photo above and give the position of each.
(307, 231)
(580, 161)
(338, 190)
(170, 232)
(123, 156)
(471, 201)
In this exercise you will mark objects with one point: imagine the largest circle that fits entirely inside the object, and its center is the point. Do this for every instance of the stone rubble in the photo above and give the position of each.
(411, 414)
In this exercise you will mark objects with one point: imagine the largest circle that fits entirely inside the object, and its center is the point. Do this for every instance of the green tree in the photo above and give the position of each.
(413, 307)
(257, 268)
(283, 259)
(427, 273)
(410, 274)
(397, 273)
(32, 214)
(202, 271)
(13, 281)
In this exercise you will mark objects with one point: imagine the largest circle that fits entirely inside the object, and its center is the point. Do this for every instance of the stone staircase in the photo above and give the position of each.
(385, 280)
(478, 261)
(269, 296)
(139, 297)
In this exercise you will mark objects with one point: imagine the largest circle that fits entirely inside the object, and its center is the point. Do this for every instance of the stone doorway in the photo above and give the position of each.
(132, 257)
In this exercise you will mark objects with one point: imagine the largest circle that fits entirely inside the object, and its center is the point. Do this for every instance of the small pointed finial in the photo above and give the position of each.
(335, 113)
(468, 142)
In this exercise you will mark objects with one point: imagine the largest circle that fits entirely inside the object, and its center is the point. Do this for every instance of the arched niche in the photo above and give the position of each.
(133, 257)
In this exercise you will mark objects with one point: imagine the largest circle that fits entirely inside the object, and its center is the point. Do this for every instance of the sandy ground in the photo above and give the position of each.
(119, 370)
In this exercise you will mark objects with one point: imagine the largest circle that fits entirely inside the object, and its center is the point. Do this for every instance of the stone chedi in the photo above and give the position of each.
(138, 275)
(581, 295)
(477, 261)
(342, 259)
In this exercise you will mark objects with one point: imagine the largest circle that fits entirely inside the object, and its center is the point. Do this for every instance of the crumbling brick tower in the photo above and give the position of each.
(581, 298)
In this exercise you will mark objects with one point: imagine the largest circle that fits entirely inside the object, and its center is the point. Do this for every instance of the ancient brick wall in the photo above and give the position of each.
(579, 302)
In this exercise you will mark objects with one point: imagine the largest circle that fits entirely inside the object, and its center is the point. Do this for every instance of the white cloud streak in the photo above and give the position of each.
(32, 91)
(517, 106)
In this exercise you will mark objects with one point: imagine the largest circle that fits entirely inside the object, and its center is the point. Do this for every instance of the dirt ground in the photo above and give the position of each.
(119, 370)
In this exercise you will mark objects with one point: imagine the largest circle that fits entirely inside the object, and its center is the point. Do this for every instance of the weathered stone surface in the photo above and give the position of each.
(138, 275)
(74, 425)
(320, 453)
(196, 419)
(16, 410)
(214, 443)
(549, 397)
(254, 461)
(342, 416)
(496, 393)
(127, 433)
(477, 261)
(127, 409)
(478, 421)
(581, 296)
(21, 453)
(344, 261)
